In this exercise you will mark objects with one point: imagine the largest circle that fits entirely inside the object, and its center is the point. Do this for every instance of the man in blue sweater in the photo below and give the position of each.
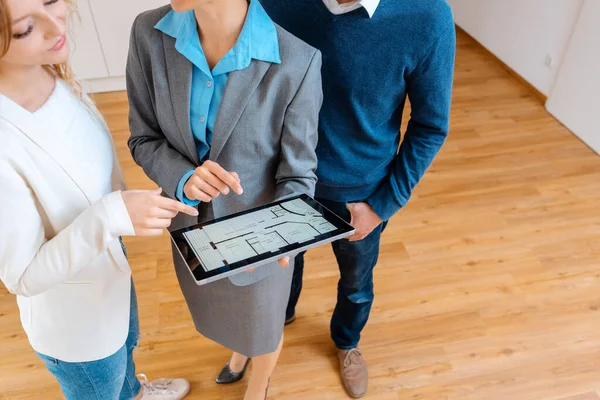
(376, 53)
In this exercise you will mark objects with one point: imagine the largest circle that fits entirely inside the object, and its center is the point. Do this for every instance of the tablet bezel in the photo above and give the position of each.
(343, 229)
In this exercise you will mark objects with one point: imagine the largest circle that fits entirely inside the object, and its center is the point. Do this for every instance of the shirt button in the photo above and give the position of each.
(209, 83)
(202, 119)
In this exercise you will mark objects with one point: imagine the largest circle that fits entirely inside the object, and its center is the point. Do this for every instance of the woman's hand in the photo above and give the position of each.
(150, 212)
(284, 262)
(209, 181)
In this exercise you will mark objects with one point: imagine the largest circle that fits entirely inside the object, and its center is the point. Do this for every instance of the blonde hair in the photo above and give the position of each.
(62, 71)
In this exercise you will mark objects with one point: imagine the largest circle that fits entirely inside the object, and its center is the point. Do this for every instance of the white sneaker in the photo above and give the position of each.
(164, 388)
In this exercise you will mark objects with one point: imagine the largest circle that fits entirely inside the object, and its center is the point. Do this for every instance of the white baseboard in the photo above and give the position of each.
(112, 84)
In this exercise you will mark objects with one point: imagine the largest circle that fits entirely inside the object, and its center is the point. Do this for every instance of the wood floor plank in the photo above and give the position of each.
(584, 396)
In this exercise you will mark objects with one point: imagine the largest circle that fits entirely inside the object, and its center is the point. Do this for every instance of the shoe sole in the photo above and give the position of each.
(355, 396)
(186, 392)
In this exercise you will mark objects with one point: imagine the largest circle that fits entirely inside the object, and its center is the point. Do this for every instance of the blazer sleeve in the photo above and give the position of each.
(149, 147)
(31, 263)
(296, 173)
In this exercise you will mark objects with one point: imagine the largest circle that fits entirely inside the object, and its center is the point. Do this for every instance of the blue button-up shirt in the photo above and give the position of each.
(258, 40)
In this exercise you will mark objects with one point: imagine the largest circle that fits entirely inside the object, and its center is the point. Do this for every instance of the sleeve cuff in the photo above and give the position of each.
(179, 193)
(383, 202)
(118, 217)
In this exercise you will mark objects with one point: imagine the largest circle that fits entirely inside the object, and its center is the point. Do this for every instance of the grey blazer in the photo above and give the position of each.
(266, 128)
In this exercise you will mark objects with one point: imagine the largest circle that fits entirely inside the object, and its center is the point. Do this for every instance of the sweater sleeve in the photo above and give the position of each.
(429, 90)
(30, 262)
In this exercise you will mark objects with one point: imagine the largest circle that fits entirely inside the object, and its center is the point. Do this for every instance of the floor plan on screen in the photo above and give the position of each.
(260, 232)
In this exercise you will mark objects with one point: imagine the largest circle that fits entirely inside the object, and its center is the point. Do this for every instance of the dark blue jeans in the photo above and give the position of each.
(356, 261)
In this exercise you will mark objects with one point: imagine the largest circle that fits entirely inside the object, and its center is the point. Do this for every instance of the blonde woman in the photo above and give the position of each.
(63, 210)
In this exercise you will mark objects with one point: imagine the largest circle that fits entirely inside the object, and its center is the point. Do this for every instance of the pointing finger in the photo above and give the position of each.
(178, 206)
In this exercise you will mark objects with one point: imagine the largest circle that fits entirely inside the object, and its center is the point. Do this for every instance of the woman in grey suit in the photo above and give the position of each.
(224, 111)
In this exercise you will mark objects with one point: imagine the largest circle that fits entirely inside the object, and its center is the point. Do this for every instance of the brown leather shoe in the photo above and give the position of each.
(354, 372)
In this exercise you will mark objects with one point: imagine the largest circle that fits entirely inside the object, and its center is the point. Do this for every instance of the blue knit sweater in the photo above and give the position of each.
(370, 66)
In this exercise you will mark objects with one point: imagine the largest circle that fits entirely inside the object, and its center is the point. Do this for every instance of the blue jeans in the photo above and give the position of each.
(108, 379)
(356, 261)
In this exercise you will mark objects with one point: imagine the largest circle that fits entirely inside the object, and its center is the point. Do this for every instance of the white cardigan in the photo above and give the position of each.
(59, 236)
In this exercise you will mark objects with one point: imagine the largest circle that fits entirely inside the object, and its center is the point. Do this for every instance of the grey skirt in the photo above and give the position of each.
(246, 319)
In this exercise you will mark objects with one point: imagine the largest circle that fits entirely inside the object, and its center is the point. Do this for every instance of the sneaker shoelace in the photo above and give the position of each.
(155, 388)
(354, 356)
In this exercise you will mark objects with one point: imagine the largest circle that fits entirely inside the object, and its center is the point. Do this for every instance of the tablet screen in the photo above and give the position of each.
(237, 241)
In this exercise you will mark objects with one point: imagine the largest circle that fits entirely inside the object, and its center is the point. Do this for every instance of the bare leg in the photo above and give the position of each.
(237, 362)
(262, 368)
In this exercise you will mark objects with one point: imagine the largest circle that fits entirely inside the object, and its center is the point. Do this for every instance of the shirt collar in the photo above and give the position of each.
(258, 39)
(369, 5)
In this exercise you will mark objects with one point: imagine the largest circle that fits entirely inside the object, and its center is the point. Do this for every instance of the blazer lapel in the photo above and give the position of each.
(241, 85)
(179, 75)
(42, 135)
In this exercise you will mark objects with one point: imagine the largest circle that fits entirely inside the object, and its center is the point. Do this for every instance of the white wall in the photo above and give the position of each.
(575, 100)
(87, 56)
(113, 21)
(101, 40)
(530, 36)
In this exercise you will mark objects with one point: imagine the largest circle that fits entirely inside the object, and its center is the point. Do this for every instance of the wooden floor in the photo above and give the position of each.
(488, 285)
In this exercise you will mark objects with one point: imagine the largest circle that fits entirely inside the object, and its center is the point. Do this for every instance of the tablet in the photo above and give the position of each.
(226, 246)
